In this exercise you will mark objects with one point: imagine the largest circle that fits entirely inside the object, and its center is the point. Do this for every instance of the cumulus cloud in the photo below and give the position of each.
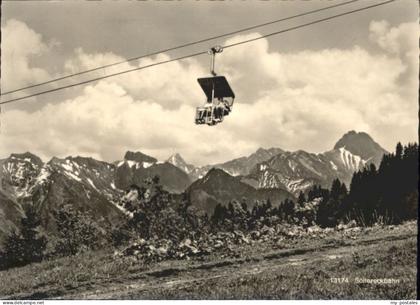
(19, 45)
(302, 100)
(400, 39)
(170, 85)
(251, 67)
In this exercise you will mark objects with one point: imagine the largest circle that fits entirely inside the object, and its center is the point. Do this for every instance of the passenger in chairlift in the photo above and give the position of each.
(219, 109)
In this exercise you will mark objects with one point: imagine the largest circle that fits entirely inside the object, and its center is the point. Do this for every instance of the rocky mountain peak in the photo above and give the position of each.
(268, 152)
(138, 157)
(216, 172)
(176, 159)
(179, 162)
(216, 177)
(28, 157)
(361, 144)
(261, 150)
(17, 172)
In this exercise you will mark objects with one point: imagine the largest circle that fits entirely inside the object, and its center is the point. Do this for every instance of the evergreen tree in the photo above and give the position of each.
(34, 243)
(329, 210)
(399, 151)
(26, 245)
(287, 209)
(268, 205)
(301, 199)
(317, 192)
(314, 192)
(219, 213)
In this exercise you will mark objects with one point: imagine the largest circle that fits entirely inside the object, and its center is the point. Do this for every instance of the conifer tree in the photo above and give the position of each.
(25, 245)
(301, 199)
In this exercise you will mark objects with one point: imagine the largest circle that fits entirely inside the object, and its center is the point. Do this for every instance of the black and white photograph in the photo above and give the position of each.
(209, 150)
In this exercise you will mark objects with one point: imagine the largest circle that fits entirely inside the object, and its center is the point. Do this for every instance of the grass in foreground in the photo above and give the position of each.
(64, 273)
(313, 281)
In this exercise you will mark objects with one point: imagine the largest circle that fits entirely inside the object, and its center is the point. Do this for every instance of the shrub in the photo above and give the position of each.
(76, 231)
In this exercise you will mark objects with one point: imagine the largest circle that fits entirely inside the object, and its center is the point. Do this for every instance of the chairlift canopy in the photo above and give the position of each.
(221, 87)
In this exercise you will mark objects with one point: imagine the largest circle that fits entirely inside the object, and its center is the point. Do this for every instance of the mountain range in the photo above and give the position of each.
(299, 170)
(98, 187)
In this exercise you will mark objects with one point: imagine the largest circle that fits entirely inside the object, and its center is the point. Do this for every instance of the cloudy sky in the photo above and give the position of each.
(299, 90)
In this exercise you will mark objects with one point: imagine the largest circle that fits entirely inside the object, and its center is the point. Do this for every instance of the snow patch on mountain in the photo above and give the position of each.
(350, 160)
(43, 175)
(73, 176)
(92, 184)
(295, 186)
(292, 164)
(333, 165)
(132, 163)
(178, 161)
(147, 164)
(268, 180)
(233, 173)
(135, 164)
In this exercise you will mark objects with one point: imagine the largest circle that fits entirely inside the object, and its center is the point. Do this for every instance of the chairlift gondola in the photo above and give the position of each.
(219, 96)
